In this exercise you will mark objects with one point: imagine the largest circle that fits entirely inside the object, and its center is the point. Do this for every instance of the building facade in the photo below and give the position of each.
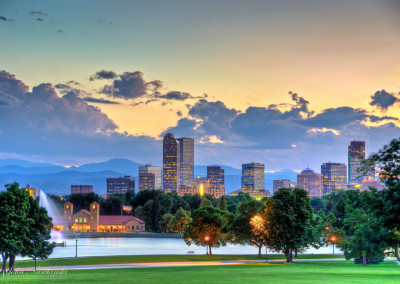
(120, 185)
(280, 183)
(186, 156)
(356, 153)
(253, 176)
(334, 177)
(216, 176)
(81, 188)
(91, 221)
(171, 163)
(147, 181)
(310, 181)
(149, 169)
(202, 186)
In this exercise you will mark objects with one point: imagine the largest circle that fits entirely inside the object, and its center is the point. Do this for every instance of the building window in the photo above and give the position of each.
(84, 220)
(80, 220)
(76, 220)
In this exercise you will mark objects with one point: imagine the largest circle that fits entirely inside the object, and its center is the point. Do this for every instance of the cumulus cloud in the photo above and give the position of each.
(40, 122)
(100, 101)
(383, 100)
(103, 74)
(4, 19)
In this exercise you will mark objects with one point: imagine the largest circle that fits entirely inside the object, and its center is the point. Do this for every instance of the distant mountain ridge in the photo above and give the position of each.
(58, 179)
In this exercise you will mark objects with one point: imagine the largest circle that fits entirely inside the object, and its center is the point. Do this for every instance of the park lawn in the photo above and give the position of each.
(300, 272)
(121, 259)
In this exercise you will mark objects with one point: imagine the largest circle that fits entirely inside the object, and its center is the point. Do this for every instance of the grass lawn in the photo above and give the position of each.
(305, 272)
(156, 258)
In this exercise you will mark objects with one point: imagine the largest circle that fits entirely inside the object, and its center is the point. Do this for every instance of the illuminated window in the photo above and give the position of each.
(76, 220)
(80, 220)
(84, 220)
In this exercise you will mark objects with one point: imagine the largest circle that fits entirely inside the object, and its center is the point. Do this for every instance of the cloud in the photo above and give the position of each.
(41, 13)
(179, 113)
(383, 100)
(2, 18)
(101, 101)
(42, 123)
(175, 95)
(103, 74)
(130, 85)
(60, 31)
(39, 20)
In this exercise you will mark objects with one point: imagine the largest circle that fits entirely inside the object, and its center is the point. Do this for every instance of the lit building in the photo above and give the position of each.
(146, 181)
(152, 170)
(310, 181)
(33, 192)
(216, 175)
(186, 159)
(356, 153)
(92, 221)
(79, 188)
(120, 185)
(202, 186)
(256, 194)
(369, 182)
(334, 177)
(280, 183)
(171, 163)
(253, 176)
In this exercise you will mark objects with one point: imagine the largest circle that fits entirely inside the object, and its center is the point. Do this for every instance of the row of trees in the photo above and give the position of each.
(24, 227)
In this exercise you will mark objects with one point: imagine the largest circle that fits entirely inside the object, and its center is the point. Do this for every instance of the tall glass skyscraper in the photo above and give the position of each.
(310, 181)
(153, 170)
(334, 177)
(253, 176)
(171, 163)
(356, 153)
(186, 153)
(216, 175)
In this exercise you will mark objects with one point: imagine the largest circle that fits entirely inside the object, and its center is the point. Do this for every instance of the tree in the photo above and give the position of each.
(205, 228)
(165, 223)
(155, 215)
(288, 216)
(112, 205)
(242, 230)
(205, 203)
(83, 200)
(222, 205)
(180, 220)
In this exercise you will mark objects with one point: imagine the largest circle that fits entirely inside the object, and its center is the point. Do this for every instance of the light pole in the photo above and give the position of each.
(333, 241)
(76, 243)
(207, 238)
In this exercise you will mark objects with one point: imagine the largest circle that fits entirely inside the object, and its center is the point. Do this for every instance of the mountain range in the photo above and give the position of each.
(58, 179)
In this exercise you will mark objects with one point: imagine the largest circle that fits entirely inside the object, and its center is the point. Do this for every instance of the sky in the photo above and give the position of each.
(285, 83)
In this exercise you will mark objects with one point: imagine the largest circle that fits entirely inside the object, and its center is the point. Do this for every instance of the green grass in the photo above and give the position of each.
(301, 272)
(155, 258)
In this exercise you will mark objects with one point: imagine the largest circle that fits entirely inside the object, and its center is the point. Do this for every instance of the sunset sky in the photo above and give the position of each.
(285, 83)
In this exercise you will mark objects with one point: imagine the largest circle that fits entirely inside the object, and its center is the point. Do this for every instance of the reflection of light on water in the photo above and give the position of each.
(56, 236)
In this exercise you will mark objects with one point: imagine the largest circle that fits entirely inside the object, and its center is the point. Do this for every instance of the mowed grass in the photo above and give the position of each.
(301, 272)
(156, 258)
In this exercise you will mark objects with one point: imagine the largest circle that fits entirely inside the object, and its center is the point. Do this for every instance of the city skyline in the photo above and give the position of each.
(289, 88)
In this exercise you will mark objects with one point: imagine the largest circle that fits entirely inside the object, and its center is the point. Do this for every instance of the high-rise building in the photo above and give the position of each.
(356, 153)
(310, 181)
(81, 188)
(171, 163)
(280, 183)
(253, 176)
(202, 186)
(146, 181)
(120, 185)
(149, 169)
(186, 155)
(334, 177)
(216, 175)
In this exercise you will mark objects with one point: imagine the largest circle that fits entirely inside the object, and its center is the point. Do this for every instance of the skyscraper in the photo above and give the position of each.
(356, 153)
(149, 169)
(186, 153)
(171, 163)
(310, 181)
(120, 185)
(334, 177)
(216, 175)
(146, 181)
(253, 176)
(280, 183)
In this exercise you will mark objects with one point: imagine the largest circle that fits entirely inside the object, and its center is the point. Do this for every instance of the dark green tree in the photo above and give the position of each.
(180, 220)
(205, 203)
(222, 205)
(155, 215)
(165, 223)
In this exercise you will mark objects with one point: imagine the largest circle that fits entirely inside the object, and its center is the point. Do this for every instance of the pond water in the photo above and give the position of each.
(146, 246)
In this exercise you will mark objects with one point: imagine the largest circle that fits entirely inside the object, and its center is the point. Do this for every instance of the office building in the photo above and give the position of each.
(202, 186)
(280, 183)
(120, 185)
(149, 169)
(216, 175)
(253, 176)
(334, 177)
(186, 155)
(171, 163)
(146, 181)
(356, 153)
(80, 188)
(310, 181)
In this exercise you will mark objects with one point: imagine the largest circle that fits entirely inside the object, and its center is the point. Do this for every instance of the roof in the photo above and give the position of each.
(117, 219)
(86, 212)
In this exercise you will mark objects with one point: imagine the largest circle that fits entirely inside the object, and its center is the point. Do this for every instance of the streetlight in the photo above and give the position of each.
(76, 233)
(207, 238)
(333, 241)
